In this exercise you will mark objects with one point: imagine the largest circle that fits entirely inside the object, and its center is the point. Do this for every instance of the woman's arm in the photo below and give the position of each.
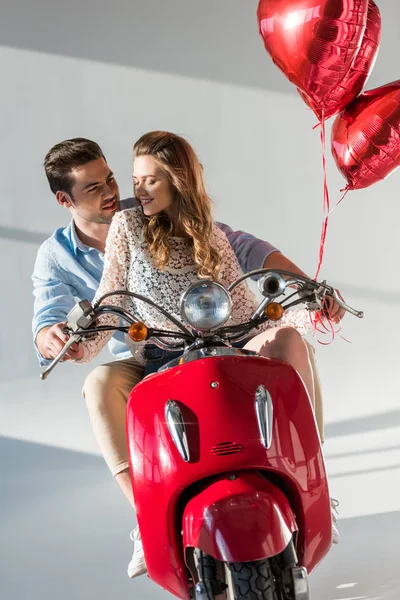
(116, 267)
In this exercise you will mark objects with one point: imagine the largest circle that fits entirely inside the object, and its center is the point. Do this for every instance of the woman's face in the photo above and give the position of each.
(152, 186)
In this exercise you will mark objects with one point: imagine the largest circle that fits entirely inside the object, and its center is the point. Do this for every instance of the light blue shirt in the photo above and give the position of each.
(66, 270)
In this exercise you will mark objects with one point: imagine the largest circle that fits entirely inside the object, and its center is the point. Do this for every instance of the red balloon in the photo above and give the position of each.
(313, 42)
(357, 75)
(366, 137)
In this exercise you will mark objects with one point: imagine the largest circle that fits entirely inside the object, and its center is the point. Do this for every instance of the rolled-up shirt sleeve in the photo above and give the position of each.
(250, 251)
(53, 297)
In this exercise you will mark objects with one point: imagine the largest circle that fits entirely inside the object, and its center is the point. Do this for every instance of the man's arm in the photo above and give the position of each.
(277, 260)
(54, 298)
(251, 252)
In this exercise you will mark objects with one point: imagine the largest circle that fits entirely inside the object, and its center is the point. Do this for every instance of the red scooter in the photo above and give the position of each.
(228, 473)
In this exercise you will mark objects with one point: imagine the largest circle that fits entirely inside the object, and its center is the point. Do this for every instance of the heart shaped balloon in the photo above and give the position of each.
(356, 77)
(366, 137)
(313, 42)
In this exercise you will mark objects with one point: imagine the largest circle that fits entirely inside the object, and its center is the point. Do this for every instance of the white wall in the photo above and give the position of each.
(263, 166)
(262, 162)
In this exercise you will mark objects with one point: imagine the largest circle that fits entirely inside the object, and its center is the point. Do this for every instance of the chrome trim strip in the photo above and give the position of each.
(265, 415)
(177, 428)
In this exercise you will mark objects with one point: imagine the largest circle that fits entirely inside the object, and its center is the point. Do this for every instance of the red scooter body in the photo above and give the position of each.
(233, 499)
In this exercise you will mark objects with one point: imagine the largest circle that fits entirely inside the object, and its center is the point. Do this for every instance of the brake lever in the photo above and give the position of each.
(346, 307)
(324, 290)
(321, 304)
(72, 340)
(80, 316)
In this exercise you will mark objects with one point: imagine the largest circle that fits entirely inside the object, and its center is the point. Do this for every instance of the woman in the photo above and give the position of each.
(158, 249)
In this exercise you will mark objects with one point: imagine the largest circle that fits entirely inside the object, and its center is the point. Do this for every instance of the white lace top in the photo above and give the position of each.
(129, 266)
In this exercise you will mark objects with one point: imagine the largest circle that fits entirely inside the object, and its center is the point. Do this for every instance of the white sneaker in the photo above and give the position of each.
(335, 529)
(137, 566)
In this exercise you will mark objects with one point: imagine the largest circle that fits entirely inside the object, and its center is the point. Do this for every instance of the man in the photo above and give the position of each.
(69, 267)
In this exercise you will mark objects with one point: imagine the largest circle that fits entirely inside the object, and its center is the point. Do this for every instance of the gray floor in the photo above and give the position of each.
(66, 527)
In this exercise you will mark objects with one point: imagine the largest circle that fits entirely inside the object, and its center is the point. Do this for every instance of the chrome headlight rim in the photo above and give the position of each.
(193, 286)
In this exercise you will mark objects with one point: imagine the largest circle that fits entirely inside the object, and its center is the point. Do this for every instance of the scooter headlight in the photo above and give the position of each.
(206, 305)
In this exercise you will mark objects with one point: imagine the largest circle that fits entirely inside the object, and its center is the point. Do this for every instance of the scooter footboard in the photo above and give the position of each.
(239, 520)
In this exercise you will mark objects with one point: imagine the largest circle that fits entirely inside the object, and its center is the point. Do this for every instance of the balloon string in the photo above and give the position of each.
(323, 142)
(320, 320)
(322, 245)
(341, 200)
(326, 198)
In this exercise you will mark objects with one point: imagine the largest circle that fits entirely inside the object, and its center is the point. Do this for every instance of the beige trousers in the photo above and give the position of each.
(106, 392)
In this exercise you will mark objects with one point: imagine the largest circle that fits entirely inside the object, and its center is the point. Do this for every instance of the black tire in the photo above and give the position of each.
(254, 581)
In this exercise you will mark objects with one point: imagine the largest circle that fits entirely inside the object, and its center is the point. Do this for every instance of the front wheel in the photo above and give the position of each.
(252, 581)
(277, 578)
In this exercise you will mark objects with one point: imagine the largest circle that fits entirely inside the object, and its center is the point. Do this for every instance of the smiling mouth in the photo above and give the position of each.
(144, 201)
(110, 205)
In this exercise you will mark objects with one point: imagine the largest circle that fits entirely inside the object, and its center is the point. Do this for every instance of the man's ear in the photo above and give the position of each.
(64, 199)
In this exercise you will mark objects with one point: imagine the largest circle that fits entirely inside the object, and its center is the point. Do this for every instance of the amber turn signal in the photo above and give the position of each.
(138, 332)
(274, 311)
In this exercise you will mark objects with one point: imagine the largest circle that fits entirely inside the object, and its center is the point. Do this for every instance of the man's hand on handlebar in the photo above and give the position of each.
(332, 310)
(51, 340)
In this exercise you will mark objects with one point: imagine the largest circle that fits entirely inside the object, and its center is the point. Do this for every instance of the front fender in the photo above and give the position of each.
(240, 520)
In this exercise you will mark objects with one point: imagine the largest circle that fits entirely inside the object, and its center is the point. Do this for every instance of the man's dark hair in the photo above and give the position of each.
(66, 156)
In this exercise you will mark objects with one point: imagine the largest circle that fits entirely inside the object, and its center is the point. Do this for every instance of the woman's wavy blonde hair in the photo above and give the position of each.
(179, 161)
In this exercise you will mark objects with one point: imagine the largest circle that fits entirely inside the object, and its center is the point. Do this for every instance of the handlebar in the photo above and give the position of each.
(81, 319)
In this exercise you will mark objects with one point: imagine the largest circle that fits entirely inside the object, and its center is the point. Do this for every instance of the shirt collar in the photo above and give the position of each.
(77, 244)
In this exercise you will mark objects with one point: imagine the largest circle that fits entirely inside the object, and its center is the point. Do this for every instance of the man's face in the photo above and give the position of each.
(94, 194)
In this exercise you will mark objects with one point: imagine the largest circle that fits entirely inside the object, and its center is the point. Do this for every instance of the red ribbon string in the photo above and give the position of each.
(321, 320)
(326, 198)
